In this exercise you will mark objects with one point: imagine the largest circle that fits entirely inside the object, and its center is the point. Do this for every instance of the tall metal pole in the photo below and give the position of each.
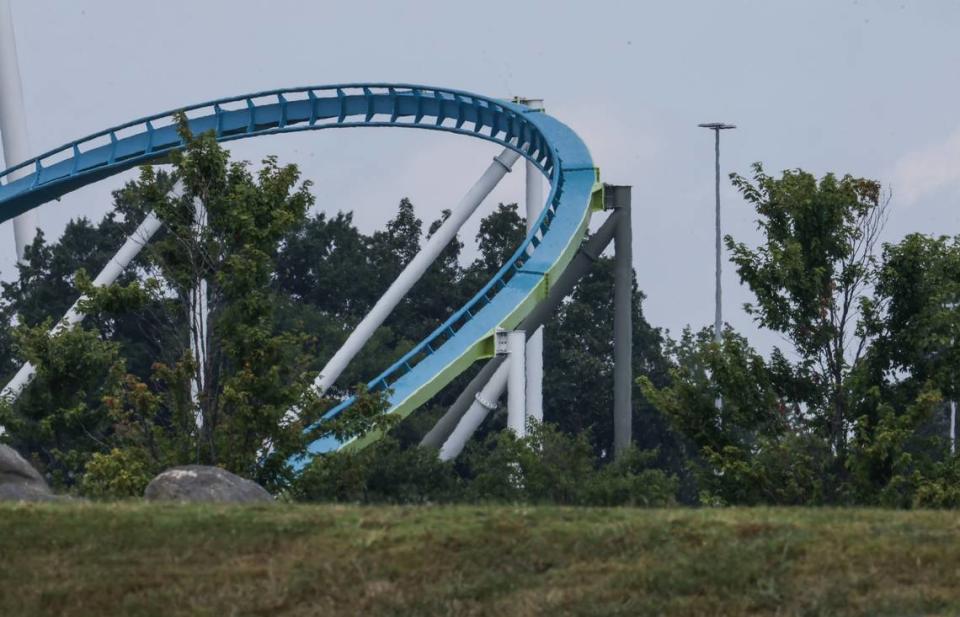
(13, 123)
(622, 322)
(716, 127)
(718, 314)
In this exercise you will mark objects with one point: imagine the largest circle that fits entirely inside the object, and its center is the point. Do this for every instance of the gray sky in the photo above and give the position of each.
(865, 87)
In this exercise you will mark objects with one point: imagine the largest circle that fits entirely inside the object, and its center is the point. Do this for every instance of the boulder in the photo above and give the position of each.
(19, 481)
(199, 483)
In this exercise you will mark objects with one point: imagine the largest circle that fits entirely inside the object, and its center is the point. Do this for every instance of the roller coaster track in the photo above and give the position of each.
(467, 335)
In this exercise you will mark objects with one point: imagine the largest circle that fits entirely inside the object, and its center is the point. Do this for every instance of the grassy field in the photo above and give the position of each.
(137, 559)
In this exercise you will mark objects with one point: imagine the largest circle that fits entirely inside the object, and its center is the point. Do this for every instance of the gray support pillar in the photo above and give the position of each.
(622, 322)
(582, 262)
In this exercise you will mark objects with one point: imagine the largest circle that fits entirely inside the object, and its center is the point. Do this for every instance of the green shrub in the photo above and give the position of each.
(117, 474)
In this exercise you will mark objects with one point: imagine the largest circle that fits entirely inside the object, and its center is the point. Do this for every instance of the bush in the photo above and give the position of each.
(546, 467)
(380, 473)
(941, 489)
(117, 474)
(629, 481)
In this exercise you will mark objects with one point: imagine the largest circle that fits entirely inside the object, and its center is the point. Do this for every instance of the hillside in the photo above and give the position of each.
(138, 559)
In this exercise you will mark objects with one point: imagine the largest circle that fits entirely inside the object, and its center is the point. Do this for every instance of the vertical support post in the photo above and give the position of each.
(516, 345)
(953, 427)
(13, 123)
(622, 323)
(534, 360)
(716, 127)
(718, 311)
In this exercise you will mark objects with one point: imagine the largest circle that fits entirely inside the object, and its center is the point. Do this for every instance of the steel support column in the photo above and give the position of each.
(534, 205)
(13, 123)
(619, 198)
(516, 347)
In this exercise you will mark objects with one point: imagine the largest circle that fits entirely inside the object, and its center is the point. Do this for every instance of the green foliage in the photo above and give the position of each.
(940, 487)
(381, 473)
(547, 466)
(810, 275)
(749, 451)
(116, 474)
(57, 422)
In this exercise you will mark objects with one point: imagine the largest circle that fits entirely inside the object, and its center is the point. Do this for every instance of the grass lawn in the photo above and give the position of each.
(139, 559)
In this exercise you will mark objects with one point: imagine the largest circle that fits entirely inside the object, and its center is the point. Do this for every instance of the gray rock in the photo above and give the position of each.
(19, 481)
(204, 484)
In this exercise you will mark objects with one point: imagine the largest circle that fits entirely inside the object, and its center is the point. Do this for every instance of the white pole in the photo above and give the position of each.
(484, 402)
(534, 360)
(953, 427)
(130, 249)
(517, 382)
(13, 123)
(411, 274)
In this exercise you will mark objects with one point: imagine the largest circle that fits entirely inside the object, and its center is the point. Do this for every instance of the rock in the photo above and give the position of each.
(19, 481)
(204, 484)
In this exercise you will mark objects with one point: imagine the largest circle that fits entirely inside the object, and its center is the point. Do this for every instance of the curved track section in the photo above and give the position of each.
(467, 335)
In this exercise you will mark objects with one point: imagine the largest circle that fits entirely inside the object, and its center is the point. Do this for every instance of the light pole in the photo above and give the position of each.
(716, 127)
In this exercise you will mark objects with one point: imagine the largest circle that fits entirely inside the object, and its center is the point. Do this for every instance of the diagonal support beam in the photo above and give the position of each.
(415, 269)
(117, 264)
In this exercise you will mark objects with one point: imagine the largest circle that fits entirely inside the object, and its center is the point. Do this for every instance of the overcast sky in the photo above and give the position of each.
(864, 87)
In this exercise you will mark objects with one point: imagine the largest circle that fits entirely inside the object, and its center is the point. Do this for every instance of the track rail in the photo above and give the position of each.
(465, 336)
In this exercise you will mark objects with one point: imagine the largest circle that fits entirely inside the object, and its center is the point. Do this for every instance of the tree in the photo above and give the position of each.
(254, 374)
(753, 449)
(810, 274)
(911, 367)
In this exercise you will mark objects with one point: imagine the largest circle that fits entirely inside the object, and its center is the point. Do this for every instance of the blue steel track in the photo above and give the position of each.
(467, 335)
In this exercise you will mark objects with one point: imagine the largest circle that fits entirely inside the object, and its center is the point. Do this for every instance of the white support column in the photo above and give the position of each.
(534, 360)
(13, 123)
(953, 427)
(130, 249)
(411, 274)
(516, 341)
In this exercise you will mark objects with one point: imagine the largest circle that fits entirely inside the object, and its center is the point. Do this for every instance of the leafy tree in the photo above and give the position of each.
(810, 274)
(58, 422)
(914, 320)
(750, 450)
(254, 372)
